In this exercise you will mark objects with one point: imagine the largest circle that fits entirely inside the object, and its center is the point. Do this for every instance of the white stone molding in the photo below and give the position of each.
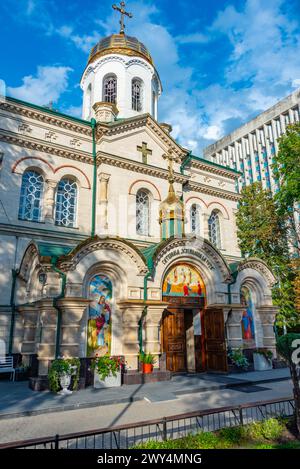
(46, 117)
(99, 244)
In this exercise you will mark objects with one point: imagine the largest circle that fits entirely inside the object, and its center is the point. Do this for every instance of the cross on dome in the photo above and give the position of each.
(123, 13)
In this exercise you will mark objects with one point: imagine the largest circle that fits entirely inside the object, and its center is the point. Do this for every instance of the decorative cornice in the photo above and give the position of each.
(49, 147)
(261, 267)
(214, 169)
(32, 113)
(199, 187)
(145, 120)
(70, 261)
(130, 165)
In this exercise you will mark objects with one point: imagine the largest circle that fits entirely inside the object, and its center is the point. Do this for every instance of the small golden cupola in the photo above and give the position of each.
(171, 210)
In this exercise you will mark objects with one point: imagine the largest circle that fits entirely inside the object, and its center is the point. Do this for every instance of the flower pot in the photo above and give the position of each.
(147, 368)
(261, 363)
(109, 382)
(65, 381)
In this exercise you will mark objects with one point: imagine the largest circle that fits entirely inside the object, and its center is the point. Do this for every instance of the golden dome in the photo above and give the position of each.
(120, 44)
(172, 206)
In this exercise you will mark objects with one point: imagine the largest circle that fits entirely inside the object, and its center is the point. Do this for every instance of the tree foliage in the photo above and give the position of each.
(286, 169)
(261, 230)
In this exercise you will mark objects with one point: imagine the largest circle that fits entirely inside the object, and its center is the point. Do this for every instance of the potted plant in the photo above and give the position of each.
(147, 360)
(63, 373)
(107, 371)
(262, 359)
(238, 359)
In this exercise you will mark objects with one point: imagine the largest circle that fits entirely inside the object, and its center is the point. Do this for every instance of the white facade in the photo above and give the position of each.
(71, 209)
(125, 70)
(251, 148)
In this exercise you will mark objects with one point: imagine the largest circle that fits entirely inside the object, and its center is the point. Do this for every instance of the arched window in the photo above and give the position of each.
(214, 229)
(142, 212)
(66, 201)
(31, 196)
(195, 219)
(136, 92)
(110, 89)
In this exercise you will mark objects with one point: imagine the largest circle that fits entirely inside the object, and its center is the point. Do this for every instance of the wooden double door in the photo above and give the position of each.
(188, 350)
(181, 345)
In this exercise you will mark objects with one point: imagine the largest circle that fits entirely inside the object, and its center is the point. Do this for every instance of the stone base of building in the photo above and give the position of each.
(136, 377)
(39, 383)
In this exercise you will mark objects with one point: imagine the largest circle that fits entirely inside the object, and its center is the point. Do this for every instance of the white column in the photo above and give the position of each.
(103, 202)
(49, 201)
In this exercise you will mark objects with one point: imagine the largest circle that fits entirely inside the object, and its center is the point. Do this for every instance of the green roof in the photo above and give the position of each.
(211, 163)
(49, 111)
(53, 250)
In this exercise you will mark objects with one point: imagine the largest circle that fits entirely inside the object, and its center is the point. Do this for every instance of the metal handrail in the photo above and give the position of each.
(161, 421)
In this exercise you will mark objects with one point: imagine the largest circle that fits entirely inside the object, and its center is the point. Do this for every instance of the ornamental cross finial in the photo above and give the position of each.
(168, 156)
(123, 13)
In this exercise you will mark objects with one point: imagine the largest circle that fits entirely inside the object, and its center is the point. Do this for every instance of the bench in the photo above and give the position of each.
(7, 366)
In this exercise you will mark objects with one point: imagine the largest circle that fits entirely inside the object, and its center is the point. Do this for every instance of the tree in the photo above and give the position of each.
(286, 169)
(288, 346)
(261, 231)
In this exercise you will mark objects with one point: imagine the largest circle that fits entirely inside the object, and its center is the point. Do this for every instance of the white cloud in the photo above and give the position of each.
(48, 84)
(84, 43)
(194, 38)
(262, 66)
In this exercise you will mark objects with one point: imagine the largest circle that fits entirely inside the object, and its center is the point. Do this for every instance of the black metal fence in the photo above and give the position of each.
(175, 426)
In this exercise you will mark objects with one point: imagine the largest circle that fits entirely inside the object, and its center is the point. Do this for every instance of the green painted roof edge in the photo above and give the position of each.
(211, 163)
(53, 250)
(148, 253)
(49, 111)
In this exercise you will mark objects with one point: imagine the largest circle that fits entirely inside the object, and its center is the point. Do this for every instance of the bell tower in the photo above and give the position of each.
(120, 71)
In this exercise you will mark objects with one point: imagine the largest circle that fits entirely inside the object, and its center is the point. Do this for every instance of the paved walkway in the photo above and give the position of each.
(17, 400)
(43, 425)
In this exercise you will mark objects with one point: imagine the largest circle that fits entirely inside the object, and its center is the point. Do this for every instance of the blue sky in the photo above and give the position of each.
(220, 62)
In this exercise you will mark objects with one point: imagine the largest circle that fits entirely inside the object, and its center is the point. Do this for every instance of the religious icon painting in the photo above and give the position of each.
(248, 332)
(99, 319)
(183, 280)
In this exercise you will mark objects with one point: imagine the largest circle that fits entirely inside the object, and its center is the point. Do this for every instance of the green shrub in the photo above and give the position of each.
(232, 435)
(269, 429)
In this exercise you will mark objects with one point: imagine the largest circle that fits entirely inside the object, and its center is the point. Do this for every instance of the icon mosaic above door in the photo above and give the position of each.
(183, 280)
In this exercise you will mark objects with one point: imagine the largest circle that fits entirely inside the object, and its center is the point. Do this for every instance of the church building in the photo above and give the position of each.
(116, 239)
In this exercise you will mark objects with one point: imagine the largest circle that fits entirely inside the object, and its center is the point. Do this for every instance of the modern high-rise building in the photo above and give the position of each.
(251, 148)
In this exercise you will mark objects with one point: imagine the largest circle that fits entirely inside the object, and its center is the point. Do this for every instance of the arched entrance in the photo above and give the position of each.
(182, 332)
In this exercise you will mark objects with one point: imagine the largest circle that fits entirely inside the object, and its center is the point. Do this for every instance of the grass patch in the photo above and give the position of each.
(267, 434)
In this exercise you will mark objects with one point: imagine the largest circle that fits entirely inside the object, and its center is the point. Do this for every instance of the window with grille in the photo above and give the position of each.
(110, 89)
(142, 213)
(66, 201)
(214, 229)
(137, 90)
(31, 196)
(195, 219)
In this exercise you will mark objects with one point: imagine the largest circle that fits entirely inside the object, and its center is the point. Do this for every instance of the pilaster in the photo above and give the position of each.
(72, 310)
(49, 201)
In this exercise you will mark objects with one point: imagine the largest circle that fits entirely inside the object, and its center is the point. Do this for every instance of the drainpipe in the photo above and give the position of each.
(13, 310)
(93, 125)
(144, 313)
(55, 305)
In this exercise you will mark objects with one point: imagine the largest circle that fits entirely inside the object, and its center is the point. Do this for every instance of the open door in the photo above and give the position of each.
(216, 355)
